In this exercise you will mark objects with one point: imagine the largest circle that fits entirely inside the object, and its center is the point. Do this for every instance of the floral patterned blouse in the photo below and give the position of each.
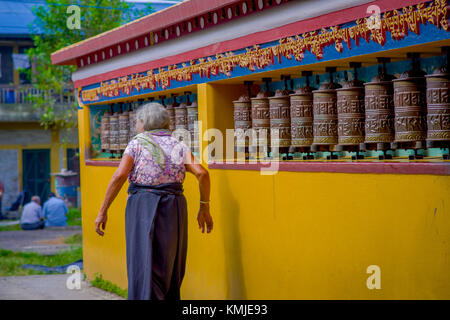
(147, 171)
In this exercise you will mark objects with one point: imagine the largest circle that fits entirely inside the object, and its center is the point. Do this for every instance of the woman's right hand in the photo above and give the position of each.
(204, 218)
(101, 222)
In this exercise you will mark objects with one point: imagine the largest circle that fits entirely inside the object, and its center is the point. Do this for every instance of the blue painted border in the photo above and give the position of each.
(428, 33)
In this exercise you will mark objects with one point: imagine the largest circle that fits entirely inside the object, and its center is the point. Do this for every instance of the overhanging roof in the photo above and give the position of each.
(183, 11)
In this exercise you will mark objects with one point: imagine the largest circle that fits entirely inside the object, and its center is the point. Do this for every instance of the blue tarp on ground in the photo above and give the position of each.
(57, 269)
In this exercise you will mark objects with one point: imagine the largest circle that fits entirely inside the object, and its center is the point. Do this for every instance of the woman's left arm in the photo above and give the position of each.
(118, 179)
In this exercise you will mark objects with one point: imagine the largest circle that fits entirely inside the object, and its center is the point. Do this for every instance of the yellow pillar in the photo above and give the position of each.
(215, 109)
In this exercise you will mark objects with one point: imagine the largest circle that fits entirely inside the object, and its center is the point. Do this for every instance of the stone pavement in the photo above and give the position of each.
(46, 241)
(49, 287)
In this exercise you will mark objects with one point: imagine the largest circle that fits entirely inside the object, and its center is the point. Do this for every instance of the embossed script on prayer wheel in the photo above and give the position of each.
(350, 109)
(242, 119)
(438, 106)
(192, 116)
(181, 117)
(261, 118)
(379, 105)
(280, 118)
(132, 116)
(325, 115)
(171, 111)
(105, 131)
(302, 117)
(410, 108)
(124, 129)
(114, 140)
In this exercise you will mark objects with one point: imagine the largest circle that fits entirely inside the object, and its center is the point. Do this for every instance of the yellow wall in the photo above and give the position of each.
(291, 235)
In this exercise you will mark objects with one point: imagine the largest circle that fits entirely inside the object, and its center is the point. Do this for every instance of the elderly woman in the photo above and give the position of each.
(156, 213)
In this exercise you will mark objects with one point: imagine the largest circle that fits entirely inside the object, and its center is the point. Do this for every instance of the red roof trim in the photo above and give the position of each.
(169, 17)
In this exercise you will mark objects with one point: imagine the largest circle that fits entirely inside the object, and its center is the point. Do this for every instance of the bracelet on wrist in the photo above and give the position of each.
(204, 202)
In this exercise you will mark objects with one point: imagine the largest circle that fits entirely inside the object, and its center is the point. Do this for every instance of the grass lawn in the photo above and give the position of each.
(74, 217)
(15, 227)
(106, 285)
(11, 261)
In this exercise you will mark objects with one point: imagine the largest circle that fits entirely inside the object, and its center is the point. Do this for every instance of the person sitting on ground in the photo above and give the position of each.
(55, 211)
(32, 217)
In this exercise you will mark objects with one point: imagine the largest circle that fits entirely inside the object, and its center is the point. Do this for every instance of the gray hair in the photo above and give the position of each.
(153, 116)
(35, 199)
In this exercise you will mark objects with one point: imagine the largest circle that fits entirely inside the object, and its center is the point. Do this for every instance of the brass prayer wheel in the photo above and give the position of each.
(242, 119)
(261, 117)
(114, 140)
(192, 116)
(280, 118)
(302, 117)
(105, 131)
(181, 117)
(171, 111)
(410, 109)
(132, 116)
(350, 111)
(124, 129)
(438, 107)
(325, 115)
(379, 106)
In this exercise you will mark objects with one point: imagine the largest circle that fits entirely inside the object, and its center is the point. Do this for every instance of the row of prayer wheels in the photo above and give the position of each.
(411, 112)
(118, 128)
(184, 116)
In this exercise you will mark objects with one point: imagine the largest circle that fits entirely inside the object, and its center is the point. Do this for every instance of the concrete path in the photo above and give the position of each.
(49, 287)
(46, 241)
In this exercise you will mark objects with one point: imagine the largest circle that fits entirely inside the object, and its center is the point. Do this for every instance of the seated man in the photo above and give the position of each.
(32, 217)
(55, 211)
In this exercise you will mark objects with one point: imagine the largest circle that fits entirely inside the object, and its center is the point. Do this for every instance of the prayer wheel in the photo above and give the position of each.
(325, 121)
(350, 110)
(105, 130)
(438, 107)
(171, 111)
(243, 121)
(181, 117)
(261, 118)
(379, 110)
(124, 130)
(114, 139)
(280, 118)
(192, 116)
(410, 110)
(302, 117)
(132, 117)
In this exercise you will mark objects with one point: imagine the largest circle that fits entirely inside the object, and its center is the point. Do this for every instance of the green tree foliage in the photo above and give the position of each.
(51, 34)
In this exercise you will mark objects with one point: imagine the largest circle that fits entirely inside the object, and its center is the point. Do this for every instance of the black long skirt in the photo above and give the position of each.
(156, 241)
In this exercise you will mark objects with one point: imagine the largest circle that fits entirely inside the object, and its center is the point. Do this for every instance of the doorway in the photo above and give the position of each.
(36, 172)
